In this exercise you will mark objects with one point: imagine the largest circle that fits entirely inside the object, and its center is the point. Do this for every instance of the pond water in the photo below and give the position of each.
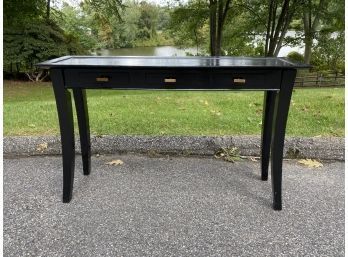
(146, 51)
(169, 51)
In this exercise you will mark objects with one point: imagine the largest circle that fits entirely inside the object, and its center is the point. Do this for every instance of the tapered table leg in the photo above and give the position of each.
(83, 121)
(282, 104)
(267, 119)
(65, 116)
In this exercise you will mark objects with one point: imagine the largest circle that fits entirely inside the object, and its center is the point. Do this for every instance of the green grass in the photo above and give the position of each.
(29, 109)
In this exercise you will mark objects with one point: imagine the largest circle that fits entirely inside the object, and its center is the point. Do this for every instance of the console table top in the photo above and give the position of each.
(171, 62)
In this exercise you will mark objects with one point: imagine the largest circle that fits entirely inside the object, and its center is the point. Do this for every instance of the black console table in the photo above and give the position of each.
(275, 76)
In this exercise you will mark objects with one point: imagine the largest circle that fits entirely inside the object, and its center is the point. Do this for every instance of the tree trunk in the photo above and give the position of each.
(212, 27)
(308, 49)
(196, 39)
(278, 26)
(279, 43)
(270, 8)
(48, 8)
(307, 33)
(283, 31)
(219, 27)
(218, 13)
(311, 27)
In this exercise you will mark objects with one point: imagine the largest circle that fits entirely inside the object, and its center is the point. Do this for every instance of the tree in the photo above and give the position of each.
(313, 11)
(241, 34)
(35, 42)
(18, 12)
(271, 19)
(279, 16)
(195, 13)
(135, 24)
(30, 37)
(319, 17)
(105, 9)
(147, 21)
(328, 54)
(163, 18)
(218, 10)
(75, 22)
(189, 27)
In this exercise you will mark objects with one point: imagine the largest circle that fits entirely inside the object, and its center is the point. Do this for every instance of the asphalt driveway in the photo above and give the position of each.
(171, 207)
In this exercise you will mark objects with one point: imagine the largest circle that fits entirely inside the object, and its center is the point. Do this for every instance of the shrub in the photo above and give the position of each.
(35, 42)
(328, 54)
(295, 56)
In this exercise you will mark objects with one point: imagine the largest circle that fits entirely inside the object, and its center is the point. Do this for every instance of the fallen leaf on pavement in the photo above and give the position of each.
(115, 162)
(42, 147)
(253, 159)
(231, 154)
(311, 163)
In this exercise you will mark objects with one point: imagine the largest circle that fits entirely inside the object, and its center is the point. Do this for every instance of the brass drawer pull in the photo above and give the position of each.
(239, 80)
(170, 80)
(102, 79)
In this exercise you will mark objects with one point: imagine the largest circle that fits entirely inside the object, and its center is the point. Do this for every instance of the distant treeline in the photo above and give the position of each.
(36, 30)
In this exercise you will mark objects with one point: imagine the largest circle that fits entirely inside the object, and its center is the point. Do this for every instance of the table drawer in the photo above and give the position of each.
(97, 78)
(173, 79)
(167, 79)
(255, 79)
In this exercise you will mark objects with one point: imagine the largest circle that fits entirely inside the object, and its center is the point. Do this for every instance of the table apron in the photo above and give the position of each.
(173, 79)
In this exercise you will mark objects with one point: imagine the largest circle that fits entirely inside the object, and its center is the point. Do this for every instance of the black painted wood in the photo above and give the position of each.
(133, 62)
(267, 120)
(282, 104)
(274, 75)
(65, 116)
(187, 79)
(80, 99)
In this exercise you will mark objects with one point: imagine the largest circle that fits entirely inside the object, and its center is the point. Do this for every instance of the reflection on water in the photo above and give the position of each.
(146, 51)
(169, 51)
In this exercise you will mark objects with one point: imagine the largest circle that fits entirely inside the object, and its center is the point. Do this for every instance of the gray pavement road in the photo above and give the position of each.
(171, 207)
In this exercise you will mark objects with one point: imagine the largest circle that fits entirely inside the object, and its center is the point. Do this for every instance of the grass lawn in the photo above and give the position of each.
(29, 109)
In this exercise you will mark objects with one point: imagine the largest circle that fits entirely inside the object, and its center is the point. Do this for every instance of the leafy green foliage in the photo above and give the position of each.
(35, 42)
(19, 12)
(78, 24)
(30, 37)
(328, 54)
(147, 21)
(295, 56)
(163, 18)
(135, 24)
(333, 18)
(189, 26)
(239, 37)
(105, 9)
(246, 25)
